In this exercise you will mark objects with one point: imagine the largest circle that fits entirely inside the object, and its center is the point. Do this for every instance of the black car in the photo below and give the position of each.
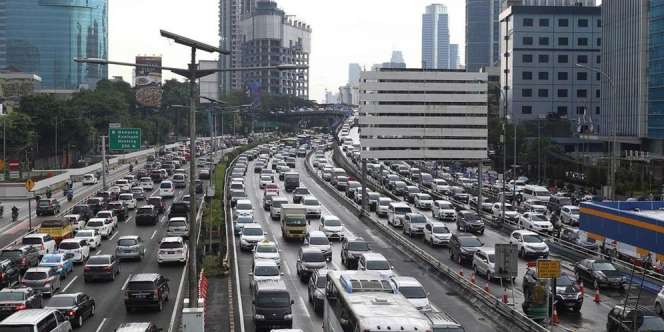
(469, 221)
(23, 256)
(9, 273)
(463, 247)
(460, 201)
(147, 215)
(48, 206)
(106, 267)
(198, 184)
(599, 273)
(316, 290)
(299, 193)
(146, 290)
(179, 209)
(556, 202)
(119, 210)
(16, 299)
(409, 193)
(83, 210)
(628, 319)
(95, 204)
(351, 249)
(77, 307)
(568, 295)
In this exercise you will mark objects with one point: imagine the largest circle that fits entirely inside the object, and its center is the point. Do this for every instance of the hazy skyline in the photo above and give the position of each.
(344, 32)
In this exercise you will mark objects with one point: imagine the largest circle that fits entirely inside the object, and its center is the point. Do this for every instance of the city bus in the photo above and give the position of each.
(365, 301)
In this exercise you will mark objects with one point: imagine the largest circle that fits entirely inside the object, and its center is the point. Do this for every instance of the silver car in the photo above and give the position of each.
(130, 247)
(178, 226)
(45, 280)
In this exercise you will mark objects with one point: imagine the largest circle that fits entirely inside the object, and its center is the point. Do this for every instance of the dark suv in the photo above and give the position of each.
(83, 210)
(158, 203)
(95, 204)
(119, 209)
(179, 209)
(556, 202)
(568, 295)
(463, 247)
(627, 319)
(146, 290)
(351, 249)
(23, 256)
(470, 222)
(48, 206)
(9, 273)
(147, 215)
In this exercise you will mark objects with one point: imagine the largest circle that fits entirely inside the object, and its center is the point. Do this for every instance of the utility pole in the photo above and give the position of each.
(192, 271)
(103, 162)
(56, 142)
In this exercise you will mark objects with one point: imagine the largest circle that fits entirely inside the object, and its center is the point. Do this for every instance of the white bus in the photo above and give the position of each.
(365, 301)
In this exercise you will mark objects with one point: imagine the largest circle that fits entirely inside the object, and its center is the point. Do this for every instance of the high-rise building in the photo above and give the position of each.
(435, 37)
(482, 33)
(580, 3)
(542, 46)
(230, 13)
(43, 38)
(354, 71)
(424, 114)
(396, 61)
(271, 38)
(454, 56)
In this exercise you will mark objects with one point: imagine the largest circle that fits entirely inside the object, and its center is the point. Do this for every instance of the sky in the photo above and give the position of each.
(344, 31)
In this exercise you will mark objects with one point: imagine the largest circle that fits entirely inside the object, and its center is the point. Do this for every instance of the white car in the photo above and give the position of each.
(146, 183)
(412, 290)
(264, 270)
(167, 189)
(77, 246)
(172, 250)
(100, 225)
(89, 179)
(659, 302)
(530, 244)
(91, 236)
(139, 193)
(123, 184)
(443, 210)
(375, 262)
(331, 226)
(267, 250)
(250, 235)
(423, 201)
(312, 206)
(537, 222)
(484, 262)
(115, 190)
(43, 242)
(75, 221)
(265, 180)
(569, 214)
(383, 206)
(110, 216)
(510, 213)
(128, 200)
(243, 207)
(317, 239)
(437, 233)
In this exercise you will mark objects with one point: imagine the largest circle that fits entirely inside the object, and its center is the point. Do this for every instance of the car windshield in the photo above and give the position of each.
(301, 191)
(244, 220)
(11, 254)
(62, 301)
(31, 240)
(126, 197)
(440, 230)
(603, 266)
(529, 238)
(319, 241)
(165, 185)
(332, 222)
(252, 231)
(574, 211)
(177, 223)
(31, 275)
(95, 224)
(170, 245)
(98, 260)
(12, 296)
(266, 271)
(51, 259)
(470, 242)
(69, 245)
(424, 197)
(313, 257)
(471, 216)
(418, 219)
(266, 178)
(378, 265)
(273, 300)
(243, 206)
(141, 285)
(85, 234)
(266, 248)
(565, 280)
(144, 211)
(538, 217)
(127, 242)
(311, 202)
(413, 292)
(105, 214)
(44, 203)
(358, 246)
(402, 210)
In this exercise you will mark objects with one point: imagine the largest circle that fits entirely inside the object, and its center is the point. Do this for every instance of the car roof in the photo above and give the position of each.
(144, 277)
(311, 249)
(27, 316)
(406, 281)
(39, 269)
(172, 239)
(486, 250)
(133, 237)
(253, 225)
(317, 234)
(373, 256)
(265, 262)
(133, 327)
(524, 232)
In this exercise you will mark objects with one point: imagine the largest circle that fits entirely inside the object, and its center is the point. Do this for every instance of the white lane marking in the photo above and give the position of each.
(101, 325)
(125, 283)
(98, 252)
(177, 298)
(285, 264)
(153, 234)
(69, 284)
(237, 287)
(306, 310)
(114, 234)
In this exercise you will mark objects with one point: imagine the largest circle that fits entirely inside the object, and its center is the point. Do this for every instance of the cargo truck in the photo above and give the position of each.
(293, 221)
(291, 181)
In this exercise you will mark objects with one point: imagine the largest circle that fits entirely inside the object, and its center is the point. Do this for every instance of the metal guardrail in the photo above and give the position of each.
(511, 317)
(230, 239)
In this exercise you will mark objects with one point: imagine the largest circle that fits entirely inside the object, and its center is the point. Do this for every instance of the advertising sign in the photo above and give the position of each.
(148, 81)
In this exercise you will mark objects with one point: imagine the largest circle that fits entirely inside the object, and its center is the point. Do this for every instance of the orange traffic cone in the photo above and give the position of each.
(597, 299)
(486, 287)
(472, 278)
(555, 320)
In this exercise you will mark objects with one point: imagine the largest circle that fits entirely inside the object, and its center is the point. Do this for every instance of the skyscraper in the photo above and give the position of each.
(42, 37)
(354, 71)
(230, 12)
(454, 56)
(435, 37)
(482, 32)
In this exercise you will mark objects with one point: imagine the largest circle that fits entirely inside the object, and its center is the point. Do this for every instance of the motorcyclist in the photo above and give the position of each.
(14, 213)
(70, 194)
(49, 192)
(131, 168)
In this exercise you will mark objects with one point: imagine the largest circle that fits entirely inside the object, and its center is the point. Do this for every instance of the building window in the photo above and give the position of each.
(563, 58)
(597, 110)
(543, 93)
(562, 76)
(599, 41)
(598, 59)
(563, 41)
(563, 22)
(526, 109)
(598, 77)
(581, 93)
(582, 59)
(527, 40)
(544, 41)
(562, 93)
(543, 58)
(597, 94)
(527, 22)
(526, 93)
(544, 22)
(582, 41)
(599, 23)
(562, 111)
(527, 58)
(583, 23)
(527, 75)
(581, 76)
(543, 76)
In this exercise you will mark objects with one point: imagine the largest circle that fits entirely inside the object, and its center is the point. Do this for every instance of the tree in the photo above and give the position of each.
(19, 134)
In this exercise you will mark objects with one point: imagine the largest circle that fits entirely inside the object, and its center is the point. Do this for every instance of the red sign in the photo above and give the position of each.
(14, 164)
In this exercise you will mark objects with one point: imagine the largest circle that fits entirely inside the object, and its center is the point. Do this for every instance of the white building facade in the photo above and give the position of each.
(423, 114)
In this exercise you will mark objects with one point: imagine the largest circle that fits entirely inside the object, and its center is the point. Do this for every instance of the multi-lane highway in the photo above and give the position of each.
(443, 296)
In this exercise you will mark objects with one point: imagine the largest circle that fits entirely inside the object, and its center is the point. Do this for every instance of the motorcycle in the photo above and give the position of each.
(70, 195)
(48, 193)
(14, 214)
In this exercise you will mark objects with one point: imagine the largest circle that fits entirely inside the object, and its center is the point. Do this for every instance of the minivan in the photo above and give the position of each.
(271, 305)
(35, 320)
(397, 212)
(167, 189)
(180, 180)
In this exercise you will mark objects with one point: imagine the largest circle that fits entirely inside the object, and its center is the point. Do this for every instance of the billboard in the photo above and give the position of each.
(147, 81)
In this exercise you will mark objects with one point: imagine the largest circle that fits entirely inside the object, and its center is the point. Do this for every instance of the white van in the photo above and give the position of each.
(36, 320)
(535, 192)
(397, 212)
(167, 189)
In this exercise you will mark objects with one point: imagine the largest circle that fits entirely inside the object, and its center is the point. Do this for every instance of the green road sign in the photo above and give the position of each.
(124, 138)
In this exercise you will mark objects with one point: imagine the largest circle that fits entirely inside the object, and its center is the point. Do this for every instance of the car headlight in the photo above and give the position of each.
(288, 316)
(243, 241)
(259, 317)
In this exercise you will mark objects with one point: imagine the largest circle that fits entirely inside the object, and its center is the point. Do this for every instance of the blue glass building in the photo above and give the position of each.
(43, 36)
(656, 70)
(482, 33)
(435, 38)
